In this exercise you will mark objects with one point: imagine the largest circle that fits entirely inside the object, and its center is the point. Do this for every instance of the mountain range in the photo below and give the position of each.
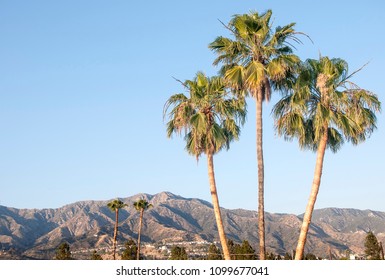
(36, 233)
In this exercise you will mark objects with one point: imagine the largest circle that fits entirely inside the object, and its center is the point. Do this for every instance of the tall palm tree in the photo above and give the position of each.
(324, 109)
(210, 119)
(115, 206)
(255, 62)
(141, 205)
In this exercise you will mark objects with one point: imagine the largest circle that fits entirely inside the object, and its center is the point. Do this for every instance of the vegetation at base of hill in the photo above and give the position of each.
(63, 252)
(373, 249)
(130, 251)
(213, 253)
(178, 253)
(239, 251)
(95, 256)
(242, 251)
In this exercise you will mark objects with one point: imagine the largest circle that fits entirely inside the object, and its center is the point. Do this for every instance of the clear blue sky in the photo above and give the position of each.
(83, 84)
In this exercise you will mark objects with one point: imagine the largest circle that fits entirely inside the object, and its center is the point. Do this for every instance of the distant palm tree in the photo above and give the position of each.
(255, 62)
(322, 110)
(115, 206)
(209, 117)
(141, 205)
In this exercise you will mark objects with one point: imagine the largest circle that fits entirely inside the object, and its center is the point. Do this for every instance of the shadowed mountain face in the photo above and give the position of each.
(89, 224)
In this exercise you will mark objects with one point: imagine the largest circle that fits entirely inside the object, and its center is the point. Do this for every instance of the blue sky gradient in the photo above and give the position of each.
(82, 89)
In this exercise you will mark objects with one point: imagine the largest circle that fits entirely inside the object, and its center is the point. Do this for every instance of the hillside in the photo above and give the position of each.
(35, 233)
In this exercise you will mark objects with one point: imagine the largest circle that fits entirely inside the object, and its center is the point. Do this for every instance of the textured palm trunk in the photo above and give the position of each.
(313, 196)
(261, 179)
(115, 231)
(139, 233)
(217, 210)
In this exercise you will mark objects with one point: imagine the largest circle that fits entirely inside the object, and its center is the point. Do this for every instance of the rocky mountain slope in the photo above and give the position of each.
(89, 224)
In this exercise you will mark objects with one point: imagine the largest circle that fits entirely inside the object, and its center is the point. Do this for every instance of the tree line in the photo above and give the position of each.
(238, 251)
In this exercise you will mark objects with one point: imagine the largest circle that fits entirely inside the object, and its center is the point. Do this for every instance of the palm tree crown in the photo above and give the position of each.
(258, 58)
(324, 100)
(323, 109)
(256, 61)
(142, 205)
(210, 118)
(116, 205)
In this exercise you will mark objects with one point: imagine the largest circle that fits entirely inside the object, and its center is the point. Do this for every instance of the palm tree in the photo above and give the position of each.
(210, 119)
(141, 205)
(115, 206)
(255, 62)
(324, 109)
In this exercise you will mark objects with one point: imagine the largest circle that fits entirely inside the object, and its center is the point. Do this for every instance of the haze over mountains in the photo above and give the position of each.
(36, 233)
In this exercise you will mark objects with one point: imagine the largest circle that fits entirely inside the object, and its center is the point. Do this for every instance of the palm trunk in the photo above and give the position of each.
(313, 196)
(139, 233)
(217, 210)
(116, 230)
(261, 180)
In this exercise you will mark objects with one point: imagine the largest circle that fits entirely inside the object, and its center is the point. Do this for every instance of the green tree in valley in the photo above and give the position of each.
(232, 249)
(256, 61)
(214, 253)
(178, 253)
(95, 256)
(141, 205)
(115, 206)
(130, 251)
(246, 252)
(271, 256)
(63, 252)
(210, 118)
(323, 108)
(310, 256)
(287, 256)
(372, 247)
(242, 251)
